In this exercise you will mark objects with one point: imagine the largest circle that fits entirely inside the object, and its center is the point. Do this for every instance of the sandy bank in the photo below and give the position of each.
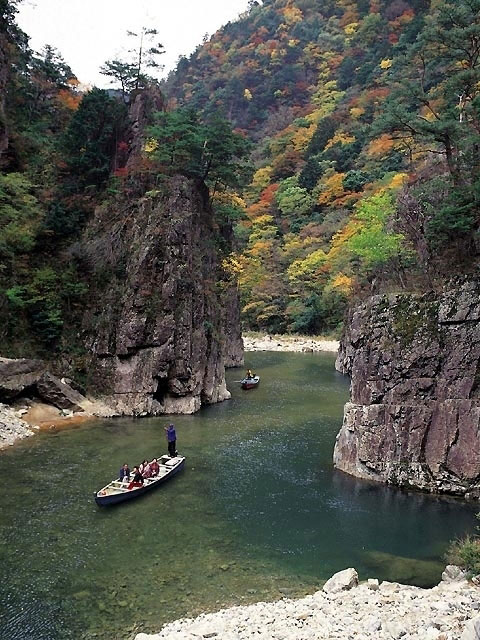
(388, 611)
(24, 420)
(289, 343)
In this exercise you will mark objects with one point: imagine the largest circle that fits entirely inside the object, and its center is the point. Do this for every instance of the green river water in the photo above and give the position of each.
(259, 513)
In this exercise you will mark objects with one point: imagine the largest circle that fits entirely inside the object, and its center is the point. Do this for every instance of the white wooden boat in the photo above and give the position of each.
(117, 491)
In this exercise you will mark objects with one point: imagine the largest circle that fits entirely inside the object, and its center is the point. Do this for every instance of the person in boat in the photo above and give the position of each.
(137, 479)
(124, 473)
(249, 375)
(146, 469)
(171, 440)
(154, 467)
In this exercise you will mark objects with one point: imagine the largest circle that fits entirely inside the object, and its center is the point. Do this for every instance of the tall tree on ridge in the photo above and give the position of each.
(132, 74)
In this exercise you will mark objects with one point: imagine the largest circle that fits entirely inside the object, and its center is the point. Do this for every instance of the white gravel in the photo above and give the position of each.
(12, 427)
(388, 611)
(288, 343)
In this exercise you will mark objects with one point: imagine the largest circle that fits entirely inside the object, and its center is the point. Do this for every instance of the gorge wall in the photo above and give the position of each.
(414, 415)
(163, 323)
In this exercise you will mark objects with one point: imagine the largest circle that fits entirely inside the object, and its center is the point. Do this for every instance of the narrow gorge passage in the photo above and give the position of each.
(258, 513)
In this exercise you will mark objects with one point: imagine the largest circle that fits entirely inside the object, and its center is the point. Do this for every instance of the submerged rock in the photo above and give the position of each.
(408, 570)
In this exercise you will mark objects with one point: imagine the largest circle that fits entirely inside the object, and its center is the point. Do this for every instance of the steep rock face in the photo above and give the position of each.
(233, 353)
(156, 330)
(414, 415)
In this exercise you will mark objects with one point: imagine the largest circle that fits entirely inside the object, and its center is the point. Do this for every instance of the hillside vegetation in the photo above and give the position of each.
(364, 116)
(352, 166)
(68, 154)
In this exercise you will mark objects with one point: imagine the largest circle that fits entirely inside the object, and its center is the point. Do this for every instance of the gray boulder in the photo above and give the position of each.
(453, 573)
(16, 375)
(341, 581)
(472, 630)
(60, 394)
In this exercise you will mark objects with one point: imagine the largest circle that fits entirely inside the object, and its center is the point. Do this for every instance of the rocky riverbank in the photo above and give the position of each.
(39, 400)
(288, 343)
(12, 427)
(345, 610)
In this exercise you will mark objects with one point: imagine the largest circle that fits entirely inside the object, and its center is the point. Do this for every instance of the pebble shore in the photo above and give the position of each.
(289, 343)
(12, 427)
(369, 611)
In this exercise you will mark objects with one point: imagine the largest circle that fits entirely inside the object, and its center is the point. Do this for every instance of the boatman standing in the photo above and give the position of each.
(172, 440)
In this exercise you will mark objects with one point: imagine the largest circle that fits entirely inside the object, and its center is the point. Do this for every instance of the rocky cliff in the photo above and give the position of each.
(156, 329)
(414, 415)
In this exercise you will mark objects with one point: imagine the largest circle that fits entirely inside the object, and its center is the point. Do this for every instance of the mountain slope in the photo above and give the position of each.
(364, 118)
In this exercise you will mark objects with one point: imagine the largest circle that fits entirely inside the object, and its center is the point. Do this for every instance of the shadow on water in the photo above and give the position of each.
(258, 513)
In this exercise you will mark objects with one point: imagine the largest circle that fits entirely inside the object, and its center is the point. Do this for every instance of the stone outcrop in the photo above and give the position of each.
(61, 395)
(140, 116)
(164, 319)
(156, 327)
(17, 375)
(388, 611)
(453, 573)
(414, 415)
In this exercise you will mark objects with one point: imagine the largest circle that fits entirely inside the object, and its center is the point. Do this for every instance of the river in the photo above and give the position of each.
(258, 513)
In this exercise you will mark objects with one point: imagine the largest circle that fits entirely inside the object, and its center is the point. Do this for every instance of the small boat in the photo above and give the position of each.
(117, 491)
(250, 383)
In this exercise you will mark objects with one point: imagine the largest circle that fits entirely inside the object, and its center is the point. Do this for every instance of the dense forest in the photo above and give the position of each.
(340, 138)
(68, 153)
(364, 116)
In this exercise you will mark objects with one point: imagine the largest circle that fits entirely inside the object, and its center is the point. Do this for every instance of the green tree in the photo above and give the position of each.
(210, 151)
(132, 73)
(373, 242)
(88, 149)
(20, 216)
(436, 104)
(324, 131)
(310, 173)
(355, 180)
(293, 200)
(89, 144)
(51, 65)
(436, 97)
(45, 298)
